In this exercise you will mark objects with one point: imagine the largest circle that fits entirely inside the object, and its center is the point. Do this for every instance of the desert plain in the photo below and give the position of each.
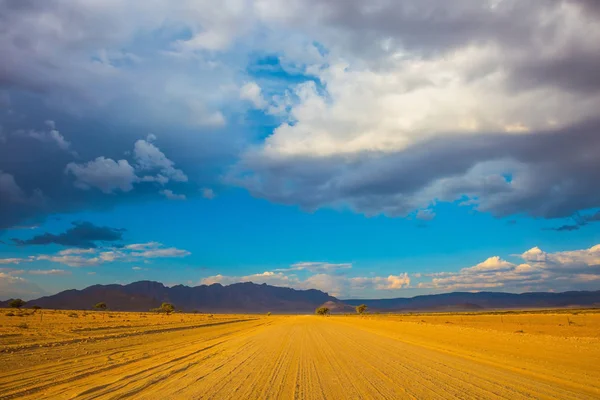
(58, 354)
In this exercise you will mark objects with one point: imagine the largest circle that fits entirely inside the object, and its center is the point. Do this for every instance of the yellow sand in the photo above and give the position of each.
(187, 356)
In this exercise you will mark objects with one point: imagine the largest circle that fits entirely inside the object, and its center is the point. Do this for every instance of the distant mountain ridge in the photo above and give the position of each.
(249, 297)
(482, 300)
(143, 295)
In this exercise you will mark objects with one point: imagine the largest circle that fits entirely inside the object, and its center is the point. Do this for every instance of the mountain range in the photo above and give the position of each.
(249, 297)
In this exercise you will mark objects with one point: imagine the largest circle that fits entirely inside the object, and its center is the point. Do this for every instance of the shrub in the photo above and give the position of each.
(322, 311)
(10, 314)
(166, 308)
(269, 314)
(361, 309)
(73, 315)
(23, 326)
(100, 306)
(16, 303)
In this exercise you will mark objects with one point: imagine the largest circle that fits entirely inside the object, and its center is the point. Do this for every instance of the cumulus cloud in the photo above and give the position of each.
(540, 271)
(172, 196)
(103, 173)
(148, 157)
(253, 93)
(365, 134)
(109, 175)
(82, 234)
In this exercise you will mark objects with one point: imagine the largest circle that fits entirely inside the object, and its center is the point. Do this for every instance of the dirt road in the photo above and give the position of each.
(309, 357)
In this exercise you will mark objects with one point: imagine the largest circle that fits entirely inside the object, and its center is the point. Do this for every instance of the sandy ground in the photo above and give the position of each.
(187, 356)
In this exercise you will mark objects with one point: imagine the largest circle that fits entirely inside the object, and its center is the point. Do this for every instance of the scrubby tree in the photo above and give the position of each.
(269, 314)
(167, 308)
(322, 311)
(100, 306)
(361, 309)
(16, 303)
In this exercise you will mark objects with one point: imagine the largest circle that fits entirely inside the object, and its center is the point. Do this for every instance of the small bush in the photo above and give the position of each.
(322, 311)
(23, 326)
(361, 309)
(73, 315)
(10, 314)
(16, 303)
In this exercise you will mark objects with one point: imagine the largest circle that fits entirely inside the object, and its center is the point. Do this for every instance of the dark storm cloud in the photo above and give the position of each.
(554, 174)
(430, 25)
(579, 221)
(82, 234)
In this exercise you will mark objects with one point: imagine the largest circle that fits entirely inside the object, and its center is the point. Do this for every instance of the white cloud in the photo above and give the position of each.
(12, 271)
(143, 246)
(68, 252)
(14, 260)
(17, 287)
(71, 260)
(208, 193)
(316, 266)
(129, 253)
(161, 253)
(148, 157)
(48, 272)
(490, 265)
(253, 93)
(389, 97)
(52, 135)
(542, 271)
(105, 174)
(172, 196)
(109, 175)
(382, 283)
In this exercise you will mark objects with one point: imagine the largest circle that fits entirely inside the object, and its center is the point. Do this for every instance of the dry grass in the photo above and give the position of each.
(145, 355)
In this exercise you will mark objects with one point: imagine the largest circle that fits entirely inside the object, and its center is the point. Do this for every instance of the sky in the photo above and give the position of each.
(379, 149)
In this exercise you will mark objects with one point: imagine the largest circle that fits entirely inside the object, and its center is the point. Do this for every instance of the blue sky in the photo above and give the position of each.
(364, 151)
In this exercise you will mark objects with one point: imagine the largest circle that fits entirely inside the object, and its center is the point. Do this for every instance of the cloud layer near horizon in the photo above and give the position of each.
(538, 271)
